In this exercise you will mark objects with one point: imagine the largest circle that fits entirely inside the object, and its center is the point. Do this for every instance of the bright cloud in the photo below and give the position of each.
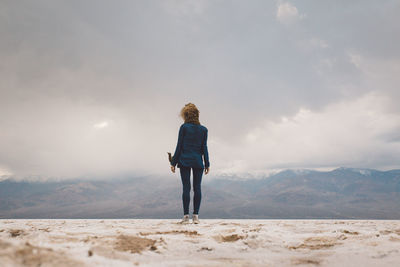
(4, 173)
(287, 13)
(335, 136)
(101, 125)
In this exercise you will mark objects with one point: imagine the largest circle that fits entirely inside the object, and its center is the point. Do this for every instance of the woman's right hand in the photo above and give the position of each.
(206, 170)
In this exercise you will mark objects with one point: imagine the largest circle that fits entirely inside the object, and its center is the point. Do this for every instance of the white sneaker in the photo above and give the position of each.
(195, 218)
(185, 219)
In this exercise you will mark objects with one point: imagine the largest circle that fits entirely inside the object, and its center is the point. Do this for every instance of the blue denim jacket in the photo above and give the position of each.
(191, 146)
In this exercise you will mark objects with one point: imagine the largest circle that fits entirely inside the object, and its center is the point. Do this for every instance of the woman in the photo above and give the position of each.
(191, 146)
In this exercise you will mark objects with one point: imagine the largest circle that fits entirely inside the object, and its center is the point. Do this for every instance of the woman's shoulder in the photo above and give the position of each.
(203, 127)
(189, 124)
(185, 124)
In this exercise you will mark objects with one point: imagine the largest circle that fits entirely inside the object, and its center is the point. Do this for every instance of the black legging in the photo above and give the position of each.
(185, 177)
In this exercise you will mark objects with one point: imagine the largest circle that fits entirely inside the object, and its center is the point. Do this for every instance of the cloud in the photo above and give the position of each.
(379, 74)
(94, 88)
(334, 136)
(315, 42)
(186, 7)
(4, 173)
(287, 13)
(101, 125)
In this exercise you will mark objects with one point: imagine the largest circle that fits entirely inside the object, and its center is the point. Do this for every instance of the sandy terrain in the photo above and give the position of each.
(210, 243)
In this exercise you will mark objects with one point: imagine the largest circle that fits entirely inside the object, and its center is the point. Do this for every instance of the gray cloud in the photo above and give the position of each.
(70, 65)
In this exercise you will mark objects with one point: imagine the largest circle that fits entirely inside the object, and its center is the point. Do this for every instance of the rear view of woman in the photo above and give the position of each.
(189, 153)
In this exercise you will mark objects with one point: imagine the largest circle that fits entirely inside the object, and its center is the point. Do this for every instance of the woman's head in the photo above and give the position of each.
(190, 113)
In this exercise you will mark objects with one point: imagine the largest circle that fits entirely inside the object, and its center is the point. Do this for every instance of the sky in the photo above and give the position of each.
(94, 88)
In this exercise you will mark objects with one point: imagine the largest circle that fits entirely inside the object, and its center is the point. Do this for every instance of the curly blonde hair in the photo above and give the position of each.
(190, 113)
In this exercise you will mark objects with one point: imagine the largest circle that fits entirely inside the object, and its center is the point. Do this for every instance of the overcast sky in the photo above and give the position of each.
(94, 88)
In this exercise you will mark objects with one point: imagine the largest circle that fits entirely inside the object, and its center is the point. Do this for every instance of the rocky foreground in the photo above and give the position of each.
(142, 242)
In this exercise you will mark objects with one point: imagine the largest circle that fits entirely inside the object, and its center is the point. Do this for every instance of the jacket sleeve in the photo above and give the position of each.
(205, 151)
(178, 149)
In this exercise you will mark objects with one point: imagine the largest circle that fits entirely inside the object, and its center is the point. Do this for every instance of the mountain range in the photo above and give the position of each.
(343, 193)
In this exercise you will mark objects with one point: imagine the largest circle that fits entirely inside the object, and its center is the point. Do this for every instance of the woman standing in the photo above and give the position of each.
(191, 146)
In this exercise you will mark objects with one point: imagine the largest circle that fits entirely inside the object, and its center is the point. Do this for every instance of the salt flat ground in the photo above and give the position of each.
(213, 242)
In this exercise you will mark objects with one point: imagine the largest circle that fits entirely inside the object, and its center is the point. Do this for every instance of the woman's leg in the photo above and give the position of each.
(185, 177)
(197, 175)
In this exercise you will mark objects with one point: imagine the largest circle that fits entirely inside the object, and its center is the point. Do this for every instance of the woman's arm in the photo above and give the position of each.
(178, 149)
(205, 151)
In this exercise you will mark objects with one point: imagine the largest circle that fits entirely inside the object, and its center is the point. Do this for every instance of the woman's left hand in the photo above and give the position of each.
(173, 169)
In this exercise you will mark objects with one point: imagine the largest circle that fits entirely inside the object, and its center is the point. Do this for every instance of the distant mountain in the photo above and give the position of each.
(344, 193)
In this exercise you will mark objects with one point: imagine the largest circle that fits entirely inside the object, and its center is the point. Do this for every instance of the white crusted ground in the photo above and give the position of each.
(210, 243)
